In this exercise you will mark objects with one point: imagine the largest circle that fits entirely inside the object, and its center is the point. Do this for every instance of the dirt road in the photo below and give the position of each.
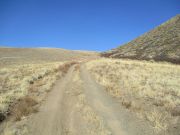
(77, 105)
(49, 119)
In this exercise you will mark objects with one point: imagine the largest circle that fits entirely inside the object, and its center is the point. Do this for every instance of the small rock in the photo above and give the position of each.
(2, 116)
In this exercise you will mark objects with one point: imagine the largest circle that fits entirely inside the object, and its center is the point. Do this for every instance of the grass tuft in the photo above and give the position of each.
(23, 107)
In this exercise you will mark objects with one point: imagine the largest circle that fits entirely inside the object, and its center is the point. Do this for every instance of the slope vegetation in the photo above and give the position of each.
(160, 44)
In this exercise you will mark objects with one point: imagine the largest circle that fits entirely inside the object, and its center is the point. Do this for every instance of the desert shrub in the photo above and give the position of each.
(23, 107)
(65, 67)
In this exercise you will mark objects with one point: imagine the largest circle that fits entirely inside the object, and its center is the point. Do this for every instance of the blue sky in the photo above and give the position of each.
(80, 24)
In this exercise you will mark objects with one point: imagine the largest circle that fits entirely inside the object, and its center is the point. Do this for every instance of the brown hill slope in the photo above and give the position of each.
(160, 44)
(11, 56)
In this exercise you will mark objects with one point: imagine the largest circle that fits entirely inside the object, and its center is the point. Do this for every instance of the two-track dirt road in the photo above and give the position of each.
(77, 105)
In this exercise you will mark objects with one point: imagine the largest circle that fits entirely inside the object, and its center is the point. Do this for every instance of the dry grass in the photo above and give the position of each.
(23, 87)
(23, 107)
(14, 130)
(34, 80)
(14, 56)
(151, 90)
(64, 69)
(159, 44)
(15, 81)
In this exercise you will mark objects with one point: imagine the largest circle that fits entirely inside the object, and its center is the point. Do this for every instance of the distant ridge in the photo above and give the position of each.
(160, 44)
(11, 56)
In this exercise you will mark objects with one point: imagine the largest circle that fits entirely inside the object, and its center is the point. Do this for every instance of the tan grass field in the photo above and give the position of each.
(21, 56)
(26, 77)
(19, 80)
(149, 89)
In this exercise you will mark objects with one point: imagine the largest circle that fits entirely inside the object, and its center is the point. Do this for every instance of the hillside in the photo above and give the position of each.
(160, 44)
(11, 56)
